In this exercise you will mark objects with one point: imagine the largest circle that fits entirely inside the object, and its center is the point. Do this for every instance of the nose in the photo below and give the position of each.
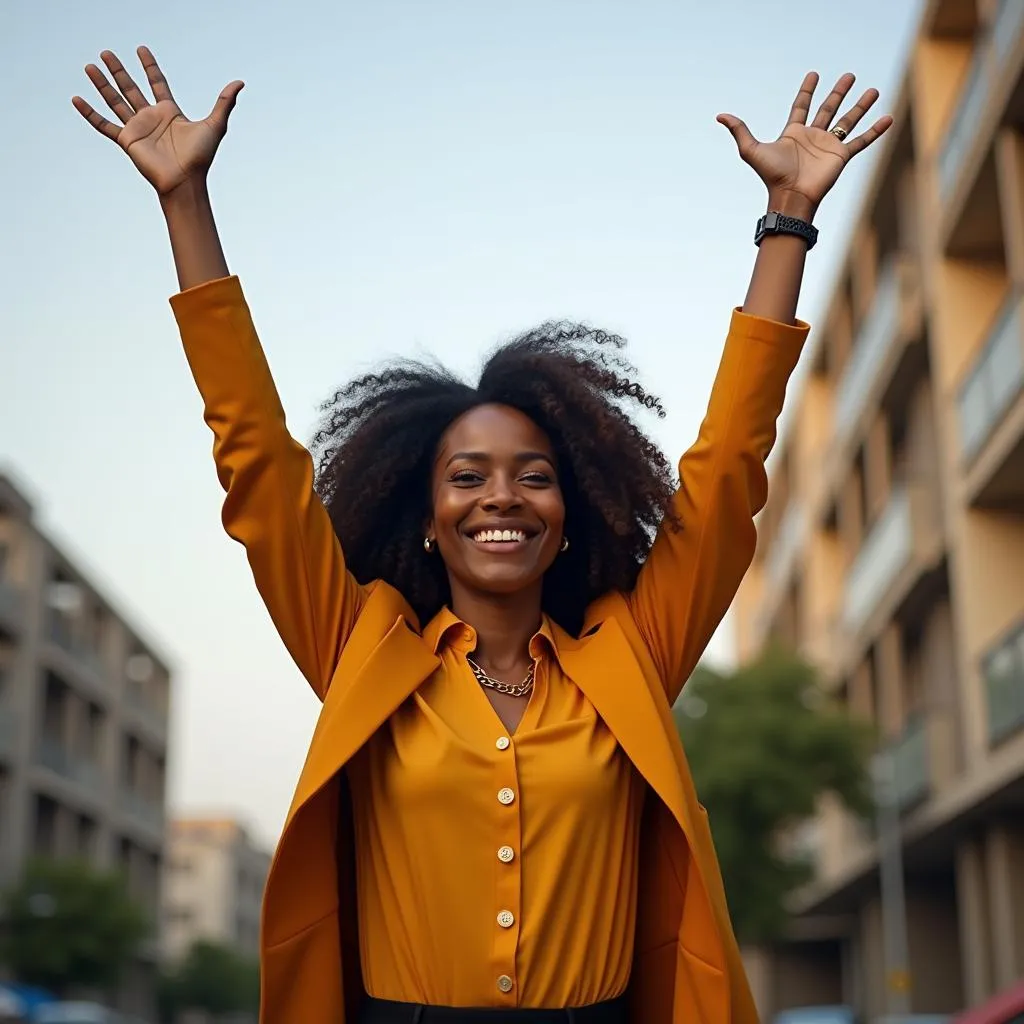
(501, 495)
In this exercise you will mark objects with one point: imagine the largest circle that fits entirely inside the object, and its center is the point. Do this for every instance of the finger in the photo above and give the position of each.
(745, 142)
(802, 104)
(131, 92)
(852, 118)
(111, 96)
(157, 82)
(862, 141)
(100, 123)
(832, 102)
(225, 104)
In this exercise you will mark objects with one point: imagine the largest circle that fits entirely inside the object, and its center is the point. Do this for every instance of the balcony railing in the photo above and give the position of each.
(874, 337)
(1007, 28)
(995, 380)
(54, 755)
(12, 605)
(912, 780)
(142, 808)
(882, 556)
(61, 633)
(1004, 687)
(138, 705)
(964, 124)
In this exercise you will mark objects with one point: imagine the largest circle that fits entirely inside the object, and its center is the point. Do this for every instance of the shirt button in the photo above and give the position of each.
(505, 983)
(506, 795)
(502, 742)
(505, 854)
(506, 919)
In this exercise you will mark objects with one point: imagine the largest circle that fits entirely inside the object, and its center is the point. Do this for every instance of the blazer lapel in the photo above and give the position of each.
(604, 667)
(355, 708)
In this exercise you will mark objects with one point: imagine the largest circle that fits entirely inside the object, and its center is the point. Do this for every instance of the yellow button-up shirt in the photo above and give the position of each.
(495, 869)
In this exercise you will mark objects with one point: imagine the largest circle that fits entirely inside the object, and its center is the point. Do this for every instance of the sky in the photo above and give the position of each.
(400, 177)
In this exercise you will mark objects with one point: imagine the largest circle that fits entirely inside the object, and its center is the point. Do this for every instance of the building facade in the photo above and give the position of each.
(83, 723)
(891, 551)
(213, 886)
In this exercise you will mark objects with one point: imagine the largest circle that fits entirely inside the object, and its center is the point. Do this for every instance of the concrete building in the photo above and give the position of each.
(83, 723)
(891, 552)
(213, 886)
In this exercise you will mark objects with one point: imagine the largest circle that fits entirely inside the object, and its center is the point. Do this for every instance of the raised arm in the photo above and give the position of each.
(270, 506)
(693, 573)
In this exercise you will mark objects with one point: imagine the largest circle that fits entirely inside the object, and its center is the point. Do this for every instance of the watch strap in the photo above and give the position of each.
(774, 223)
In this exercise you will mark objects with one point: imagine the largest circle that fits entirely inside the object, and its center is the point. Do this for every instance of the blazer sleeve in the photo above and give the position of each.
(692, 574)
(270, 506)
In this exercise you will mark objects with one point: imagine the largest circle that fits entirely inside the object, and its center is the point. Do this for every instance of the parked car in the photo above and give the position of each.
(847, 1015)
(76, 1013)
(1005, 1008)
(816, 1015)
(12, 1008)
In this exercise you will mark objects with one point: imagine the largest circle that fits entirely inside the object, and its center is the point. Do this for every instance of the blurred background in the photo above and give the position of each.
(403, 177)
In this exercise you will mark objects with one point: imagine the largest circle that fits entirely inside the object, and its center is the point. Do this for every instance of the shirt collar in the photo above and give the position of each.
(446, 629)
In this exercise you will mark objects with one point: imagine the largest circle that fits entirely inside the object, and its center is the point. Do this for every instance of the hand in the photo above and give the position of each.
(164, 145)
(805, 161)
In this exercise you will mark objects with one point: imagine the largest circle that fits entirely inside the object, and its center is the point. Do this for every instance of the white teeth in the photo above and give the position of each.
(502, 536)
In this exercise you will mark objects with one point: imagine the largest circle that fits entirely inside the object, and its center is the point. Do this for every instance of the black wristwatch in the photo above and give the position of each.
(779, 224)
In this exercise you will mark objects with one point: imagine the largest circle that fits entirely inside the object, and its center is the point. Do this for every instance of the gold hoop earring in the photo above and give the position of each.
(565, 545)
(428, 545)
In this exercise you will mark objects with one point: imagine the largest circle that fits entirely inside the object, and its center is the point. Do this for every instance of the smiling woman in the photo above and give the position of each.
(498, 593)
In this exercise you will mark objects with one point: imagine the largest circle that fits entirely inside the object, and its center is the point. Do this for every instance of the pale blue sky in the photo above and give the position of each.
(399, 177)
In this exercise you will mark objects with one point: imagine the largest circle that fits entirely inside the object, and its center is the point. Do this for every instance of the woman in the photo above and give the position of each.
(495, 818)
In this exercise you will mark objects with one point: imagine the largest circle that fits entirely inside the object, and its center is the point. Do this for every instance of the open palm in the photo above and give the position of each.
(807, 159)
(166, 147)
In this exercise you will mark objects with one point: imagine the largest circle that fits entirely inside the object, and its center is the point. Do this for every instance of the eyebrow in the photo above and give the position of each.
(484, 457)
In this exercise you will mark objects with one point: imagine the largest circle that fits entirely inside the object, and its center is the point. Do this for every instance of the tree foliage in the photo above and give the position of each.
(764, 744)
(214, 978)
(68, 925)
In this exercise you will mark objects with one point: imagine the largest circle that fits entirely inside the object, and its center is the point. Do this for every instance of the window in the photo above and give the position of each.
(44, 839)
(180, 915)
(85, 837)
(1003, 672)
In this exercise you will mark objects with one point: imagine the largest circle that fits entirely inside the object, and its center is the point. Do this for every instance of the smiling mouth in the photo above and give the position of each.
(509, 538)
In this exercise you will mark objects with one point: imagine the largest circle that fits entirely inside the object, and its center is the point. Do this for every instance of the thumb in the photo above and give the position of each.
(745, 142)
(225, 104)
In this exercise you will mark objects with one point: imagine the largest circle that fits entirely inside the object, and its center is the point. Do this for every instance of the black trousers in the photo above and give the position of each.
(385, 1011)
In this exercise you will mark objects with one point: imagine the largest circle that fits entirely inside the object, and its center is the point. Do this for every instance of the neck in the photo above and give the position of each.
(504, 625)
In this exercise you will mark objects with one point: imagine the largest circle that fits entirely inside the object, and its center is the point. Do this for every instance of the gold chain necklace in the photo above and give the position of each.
(511, 689)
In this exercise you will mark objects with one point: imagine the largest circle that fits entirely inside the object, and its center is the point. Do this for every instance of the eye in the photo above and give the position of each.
(465, 476)
(537, 477)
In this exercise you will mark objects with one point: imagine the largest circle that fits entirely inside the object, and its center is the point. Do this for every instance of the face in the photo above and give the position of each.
(498, 514)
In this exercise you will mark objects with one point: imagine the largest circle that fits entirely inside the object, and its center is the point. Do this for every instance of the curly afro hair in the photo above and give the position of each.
(379, 435)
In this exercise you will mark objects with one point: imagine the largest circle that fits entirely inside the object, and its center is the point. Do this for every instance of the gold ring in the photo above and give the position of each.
(839, 133)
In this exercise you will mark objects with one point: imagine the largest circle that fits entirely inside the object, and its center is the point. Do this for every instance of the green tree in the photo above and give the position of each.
(764, 744)
(68, 925)
(213, 978)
